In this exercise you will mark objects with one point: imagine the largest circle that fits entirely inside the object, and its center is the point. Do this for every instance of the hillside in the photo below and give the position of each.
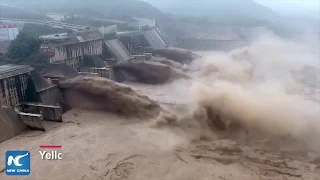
(19, 13)
(216, 10)
(94, 8)
(219, 19)
(114, 9)
(234, 18)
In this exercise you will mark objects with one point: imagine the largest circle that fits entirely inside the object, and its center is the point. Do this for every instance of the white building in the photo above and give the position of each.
(8, 32)
(57, 17)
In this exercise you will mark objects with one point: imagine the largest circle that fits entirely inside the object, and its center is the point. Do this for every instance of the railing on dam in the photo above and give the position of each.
(99, 72)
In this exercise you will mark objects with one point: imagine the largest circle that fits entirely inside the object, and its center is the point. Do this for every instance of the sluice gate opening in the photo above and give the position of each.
(33, 114)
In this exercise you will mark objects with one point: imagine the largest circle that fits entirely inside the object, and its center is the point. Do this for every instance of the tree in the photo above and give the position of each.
(24, 45)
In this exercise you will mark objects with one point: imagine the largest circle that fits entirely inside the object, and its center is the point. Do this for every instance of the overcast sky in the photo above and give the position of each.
(293, 6)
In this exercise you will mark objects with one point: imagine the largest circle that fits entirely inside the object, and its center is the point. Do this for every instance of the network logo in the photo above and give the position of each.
(17, 163)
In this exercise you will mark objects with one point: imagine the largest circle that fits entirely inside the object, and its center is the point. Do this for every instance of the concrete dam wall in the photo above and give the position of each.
(10, 124)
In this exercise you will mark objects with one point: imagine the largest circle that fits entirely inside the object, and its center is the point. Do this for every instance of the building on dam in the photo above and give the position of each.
(143, 40)
(13, 84)
(71, 48)
(26, 100)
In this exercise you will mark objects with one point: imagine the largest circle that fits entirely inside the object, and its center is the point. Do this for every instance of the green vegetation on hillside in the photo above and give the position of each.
(24, 45)
(24, 50)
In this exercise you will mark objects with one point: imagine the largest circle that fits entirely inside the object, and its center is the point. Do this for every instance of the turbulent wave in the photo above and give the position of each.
(96, 93)
(258, 88)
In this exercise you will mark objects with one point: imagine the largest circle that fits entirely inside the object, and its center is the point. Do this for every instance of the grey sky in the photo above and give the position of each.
(293, 6)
